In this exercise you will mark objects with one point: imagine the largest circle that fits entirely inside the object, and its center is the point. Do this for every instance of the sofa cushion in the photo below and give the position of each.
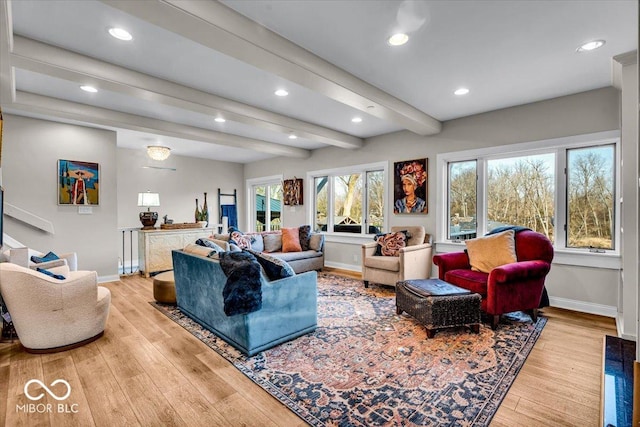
(218, 236)
(194, 249)
(389, 263)
(272, 242)
(291, 240)
(258, 242)
(209, 244)
(489, 252)
(389, 244)
(304, 233)
(294, 256)
(316, 241)
(475, 281)
(274, 268)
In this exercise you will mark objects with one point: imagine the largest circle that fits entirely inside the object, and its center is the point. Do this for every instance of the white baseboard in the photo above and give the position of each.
(620, 328)
(110, 278)
(584, 307)
(343, 266)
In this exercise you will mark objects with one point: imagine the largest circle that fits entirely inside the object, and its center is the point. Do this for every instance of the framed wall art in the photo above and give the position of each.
(78, 183)
(292, 192)
(410, 187)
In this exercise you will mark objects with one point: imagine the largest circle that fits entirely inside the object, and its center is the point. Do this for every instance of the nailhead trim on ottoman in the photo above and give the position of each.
(164, 287)
(438, 310)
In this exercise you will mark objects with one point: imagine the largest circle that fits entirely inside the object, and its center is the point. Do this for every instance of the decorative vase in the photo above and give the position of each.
(197, 215)
(205, 210)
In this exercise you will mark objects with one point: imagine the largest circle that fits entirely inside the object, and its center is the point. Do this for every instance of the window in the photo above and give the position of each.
(265, 204)
(462, 200)
(564, 189)
(590, 194)
(350, 200)
(520, 191)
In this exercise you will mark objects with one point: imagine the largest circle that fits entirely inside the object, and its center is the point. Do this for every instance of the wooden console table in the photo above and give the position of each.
(155, 246)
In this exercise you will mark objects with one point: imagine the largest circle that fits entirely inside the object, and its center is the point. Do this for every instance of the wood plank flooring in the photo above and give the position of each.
(148, 371)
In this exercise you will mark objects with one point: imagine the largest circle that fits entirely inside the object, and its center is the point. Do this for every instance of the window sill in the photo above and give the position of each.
(609, 260)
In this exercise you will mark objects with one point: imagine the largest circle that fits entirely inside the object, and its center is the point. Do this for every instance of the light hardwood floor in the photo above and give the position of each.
(148, 371)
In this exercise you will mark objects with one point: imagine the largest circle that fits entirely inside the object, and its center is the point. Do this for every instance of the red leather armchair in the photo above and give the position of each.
(510, 287)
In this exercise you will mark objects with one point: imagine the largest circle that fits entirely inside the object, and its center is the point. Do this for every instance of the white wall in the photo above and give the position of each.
(30, 151)
(583, 113)
(178, 190)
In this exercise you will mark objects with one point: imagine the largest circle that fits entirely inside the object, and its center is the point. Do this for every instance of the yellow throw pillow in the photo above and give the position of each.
(489, 252)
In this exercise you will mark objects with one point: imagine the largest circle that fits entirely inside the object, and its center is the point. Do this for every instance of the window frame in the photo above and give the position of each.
(347, 170)
(565, 255)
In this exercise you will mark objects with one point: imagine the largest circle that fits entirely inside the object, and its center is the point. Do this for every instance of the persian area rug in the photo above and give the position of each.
(367, 366)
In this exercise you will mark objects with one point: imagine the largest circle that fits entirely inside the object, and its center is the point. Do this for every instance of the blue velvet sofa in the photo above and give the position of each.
(289, 305)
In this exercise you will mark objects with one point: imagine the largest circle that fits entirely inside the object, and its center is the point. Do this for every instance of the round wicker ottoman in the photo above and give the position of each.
(164, 287)
(438, 304)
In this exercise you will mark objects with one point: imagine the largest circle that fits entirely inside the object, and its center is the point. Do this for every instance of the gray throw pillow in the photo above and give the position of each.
(272, 242)
(316, 241)
(305, 234)
(258, 242)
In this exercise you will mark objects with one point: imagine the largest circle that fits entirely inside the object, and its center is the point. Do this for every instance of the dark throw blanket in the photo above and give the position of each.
(243, 292)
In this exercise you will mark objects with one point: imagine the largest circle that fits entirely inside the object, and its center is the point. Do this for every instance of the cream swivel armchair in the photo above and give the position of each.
(413, 262)
(52, 315)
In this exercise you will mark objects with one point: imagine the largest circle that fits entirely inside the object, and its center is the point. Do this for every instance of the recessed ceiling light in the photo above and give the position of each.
(593, 45)
(398, 39)
(281, 92)
(292, 136)
(220, 119)
(120, 34)
(461, 91)
(88, 88)
(356, 119)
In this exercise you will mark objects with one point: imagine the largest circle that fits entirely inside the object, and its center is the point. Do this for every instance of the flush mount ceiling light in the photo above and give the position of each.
(356, 119)
(281, 92)
(120, 34)
(398, 39)
(220, 119)
(88, 88)
(592, 45)
(293, 136)
(461, 91)
(158, 152)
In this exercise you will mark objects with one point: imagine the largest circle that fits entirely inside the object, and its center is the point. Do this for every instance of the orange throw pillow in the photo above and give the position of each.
(291, 240)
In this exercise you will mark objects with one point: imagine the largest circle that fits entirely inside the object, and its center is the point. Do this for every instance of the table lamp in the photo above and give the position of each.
(148, 218)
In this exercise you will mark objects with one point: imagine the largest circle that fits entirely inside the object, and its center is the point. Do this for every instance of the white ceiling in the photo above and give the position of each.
(193, 60)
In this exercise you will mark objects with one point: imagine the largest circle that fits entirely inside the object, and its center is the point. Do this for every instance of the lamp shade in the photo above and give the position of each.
(148, 199)
(158, 152)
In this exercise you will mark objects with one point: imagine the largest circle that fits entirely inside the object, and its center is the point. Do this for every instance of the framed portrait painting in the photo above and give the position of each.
(78, 183)
(410, 187)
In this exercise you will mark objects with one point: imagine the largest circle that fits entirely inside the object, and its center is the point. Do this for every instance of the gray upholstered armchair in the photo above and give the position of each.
(413, 262)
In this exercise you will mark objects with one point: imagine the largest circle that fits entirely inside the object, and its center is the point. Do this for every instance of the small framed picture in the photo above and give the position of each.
(410, 187)
(78, 183)
(292, 192)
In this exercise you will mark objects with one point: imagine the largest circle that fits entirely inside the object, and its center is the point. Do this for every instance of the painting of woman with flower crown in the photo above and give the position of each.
(410, 186)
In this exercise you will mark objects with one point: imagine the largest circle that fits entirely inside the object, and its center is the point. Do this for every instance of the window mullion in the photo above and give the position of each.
(481, 196)
(561, 222)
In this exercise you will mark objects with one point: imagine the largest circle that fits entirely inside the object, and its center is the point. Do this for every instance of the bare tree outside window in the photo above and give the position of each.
(375, 206)
(462, 200)
(591, 194)
(520, 191)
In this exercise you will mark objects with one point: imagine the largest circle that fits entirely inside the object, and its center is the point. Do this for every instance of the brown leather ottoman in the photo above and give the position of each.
(438, 304)
(164, 287)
